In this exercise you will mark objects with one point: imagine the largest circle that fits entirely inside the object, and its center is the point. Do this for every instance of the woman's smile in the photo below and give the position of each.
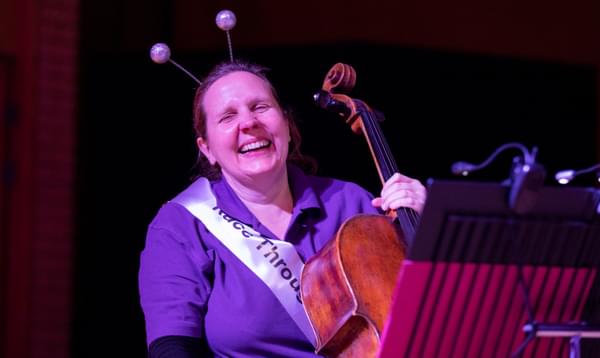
(254, 146)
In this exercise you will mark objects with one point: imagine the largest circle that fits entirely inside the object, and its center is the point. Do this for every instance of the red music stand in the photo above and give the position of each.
(482, 281)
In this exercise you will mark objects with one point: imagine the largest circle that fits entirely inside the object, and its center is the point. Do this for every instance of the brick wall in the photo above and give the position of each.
(39, 204)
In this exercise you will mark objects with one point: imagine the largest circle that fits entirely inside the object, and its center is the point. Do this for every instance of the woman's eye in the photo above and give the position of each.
(261, 108)
(226, 118)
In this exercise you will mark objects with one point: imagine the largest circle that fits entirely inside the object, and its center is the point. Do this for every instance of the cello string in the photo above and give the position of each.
(379, 140)
(406, 216)
(409, 214)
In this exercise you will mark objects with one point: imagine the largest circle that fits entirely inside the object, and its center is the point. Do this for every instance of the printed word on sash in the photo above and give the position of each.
(275, 262)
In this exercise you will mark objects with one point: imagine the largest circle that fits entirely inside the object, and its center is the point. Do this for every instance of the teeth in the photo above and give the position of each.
(254, 146)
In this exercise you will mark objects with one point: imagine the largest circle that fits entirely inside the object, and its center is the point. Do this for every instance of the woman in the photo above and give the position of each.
(197, 288)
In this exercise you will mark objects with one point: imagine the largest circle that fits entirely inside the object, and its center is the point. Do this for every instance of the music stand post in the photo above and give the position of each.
(481, 280)
(573, 331)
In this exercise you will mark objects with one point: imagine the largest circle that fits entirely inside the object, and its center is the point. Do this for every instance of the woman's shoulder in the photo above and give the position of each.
(325, 184)
(175, 221)
(341, 196)
(174, 231)
(169, 214)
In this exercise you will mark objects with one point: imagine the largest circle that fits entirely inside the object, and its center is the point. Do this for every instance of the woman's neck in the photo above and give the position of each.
(269, 190)
(269, 200)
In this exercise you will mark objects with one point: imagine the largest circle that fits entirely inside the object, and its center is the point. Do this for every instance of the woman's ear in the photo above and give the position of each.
(204, 148)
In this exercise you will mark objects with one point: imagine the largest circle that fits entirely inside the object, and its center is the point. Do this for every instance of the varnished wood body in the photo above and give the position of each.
(347, 286)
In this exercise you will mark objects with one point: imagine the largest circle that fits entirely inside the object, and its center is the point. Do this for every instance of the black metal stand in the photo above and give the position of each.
(482, 279)
(574, 331)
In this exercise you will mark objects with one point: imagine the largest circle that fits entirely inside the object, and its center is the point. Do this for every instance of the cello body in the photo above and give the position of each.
(347, 286)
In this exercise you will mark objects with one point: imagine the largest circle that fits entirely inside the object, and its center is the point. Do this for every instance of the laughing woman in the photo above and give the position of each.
(204, 284)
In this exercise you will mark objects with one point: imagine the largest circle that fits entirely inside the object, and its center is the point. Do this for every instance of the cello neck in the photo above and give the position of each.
(386, 165)
(380, 150)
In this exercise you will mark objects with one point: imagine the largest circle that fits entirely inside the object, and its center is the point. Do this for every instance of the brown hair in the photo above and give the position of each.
(203, 166)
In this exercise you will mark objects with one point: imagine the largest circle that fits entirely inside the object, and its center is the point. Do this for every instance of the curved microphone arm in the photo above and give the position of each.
(526, 176)
(465, 168)
(565, 176)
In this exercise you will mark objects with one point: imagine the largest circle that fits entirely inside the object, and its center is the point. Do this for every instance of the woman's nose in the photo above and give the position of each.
(248, 121)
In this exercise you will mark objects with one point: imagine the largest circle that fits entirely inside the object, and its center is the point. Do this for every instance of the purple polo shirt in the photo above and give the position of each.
(192, 285)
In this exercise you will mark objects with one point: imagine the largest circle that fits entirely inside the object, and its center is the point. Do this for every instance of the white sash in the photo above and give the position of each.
(275, 262)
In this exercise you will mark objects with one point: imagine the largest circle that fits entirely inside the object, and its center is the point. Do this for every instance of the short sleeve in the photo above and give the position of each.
(174, 279)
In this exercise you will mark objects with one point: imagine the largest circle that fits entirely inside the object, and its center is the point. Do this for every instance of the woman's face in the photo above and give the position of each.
(247, 133)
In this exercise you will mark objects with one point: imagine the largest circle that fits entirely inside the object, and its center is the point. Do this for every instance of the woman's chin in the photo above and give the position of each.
(259, 168)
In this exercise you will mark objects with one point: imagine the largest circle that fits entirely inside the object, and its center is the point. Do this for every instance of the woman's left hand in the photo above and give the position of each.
(401, 191)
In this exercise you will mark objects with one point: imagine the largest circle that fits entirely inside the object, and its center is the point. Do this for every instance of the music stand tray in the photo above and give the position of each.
(480, 280)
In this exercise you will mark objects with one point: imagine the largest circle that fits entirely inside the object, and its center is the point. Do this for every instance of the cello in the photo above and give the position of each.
(347, 286)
